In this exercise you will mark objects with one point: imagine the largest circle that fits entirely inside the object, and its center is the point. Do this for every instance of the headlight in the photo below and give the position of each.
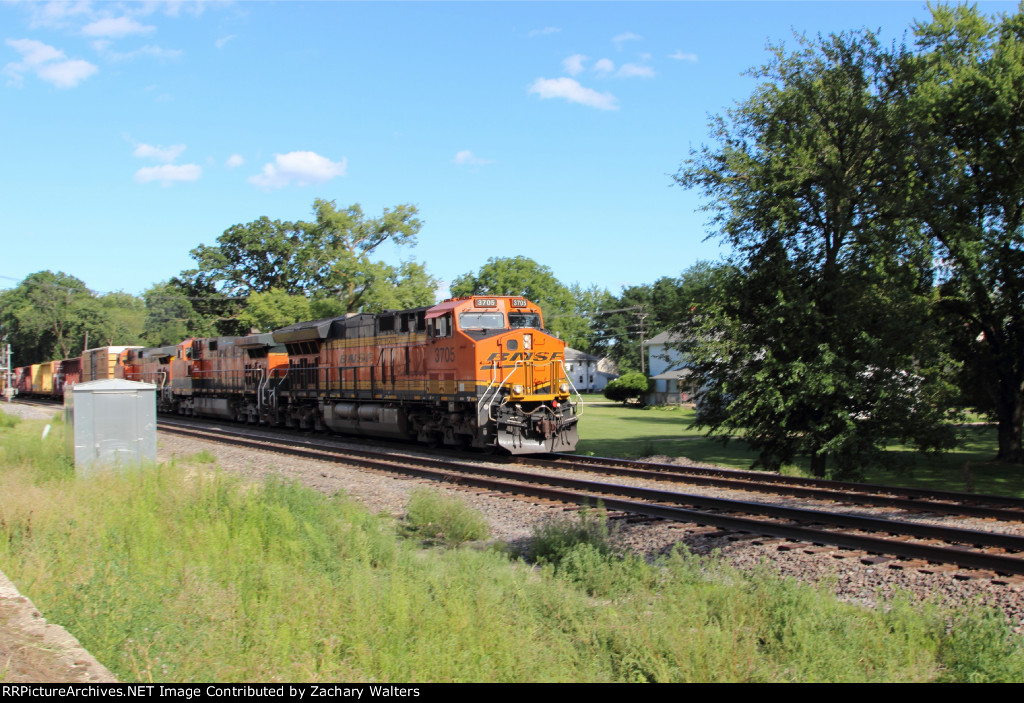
(517, 389)
(563, 388)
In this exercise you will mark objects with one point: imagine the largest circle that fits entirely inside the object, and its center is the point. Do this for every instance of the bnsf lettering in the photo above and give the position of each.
(366, 358)
(525, 356)
(444, 354)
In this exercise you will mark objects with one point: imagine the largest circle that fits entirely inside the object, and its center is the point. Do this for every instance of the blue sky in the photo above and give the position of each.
(133, 132)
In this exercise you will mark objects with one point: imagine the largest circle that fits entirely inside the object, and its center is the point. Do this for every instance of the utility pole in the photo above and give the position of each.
(641, 314)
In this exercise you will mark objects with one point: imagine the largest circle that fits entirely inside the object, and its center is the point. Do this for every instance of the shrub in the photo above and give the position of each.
(433, 515)
(553, 540)
(626, 388)
(7, 421)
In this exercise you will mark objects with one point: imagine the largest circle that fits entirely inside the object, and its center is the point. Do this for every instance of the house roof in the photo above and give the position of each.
(667, 337)
(577, 355)
(672, 374)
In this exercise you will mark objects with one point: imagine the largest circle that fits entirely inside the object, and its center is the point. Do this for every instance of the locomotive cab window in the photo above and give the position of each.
(481, 321)
(441, 326)
(519, 320)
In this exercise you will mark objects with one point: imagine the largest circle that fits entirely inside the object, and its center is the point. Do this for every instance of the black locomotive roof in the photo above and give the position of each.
(330, 328)
(306, 331)
(149, 352)
(255, 341)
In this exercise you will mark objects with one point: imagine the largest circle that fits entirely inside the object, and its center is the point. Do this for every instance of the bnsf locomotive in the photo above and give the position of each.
(476, 372)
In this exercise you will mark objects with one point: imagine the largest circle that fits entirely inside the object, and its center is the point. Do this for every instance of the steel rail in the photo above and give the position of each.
(588, 463)
(751, 481)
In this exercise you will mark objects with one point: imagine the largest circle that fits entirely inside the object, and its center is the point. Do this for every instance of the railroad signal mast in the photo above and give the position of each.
(6, 375)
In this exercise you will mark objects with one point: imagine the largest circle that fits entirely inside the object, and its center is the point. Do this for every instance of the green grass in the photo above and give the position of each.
(178, 572)
(610, 429)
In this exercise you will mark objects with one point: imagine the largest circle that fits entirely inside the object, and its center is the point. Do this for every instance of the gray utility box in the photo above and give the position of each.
(110, 422)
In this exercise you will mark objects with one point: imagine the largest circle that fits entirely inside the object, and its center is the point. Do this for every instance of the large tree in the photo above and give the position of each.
(329, 258)
(822, 345)
(622, 324)
(522, 276)
(47, 316)
(172, 316)
(967, 110)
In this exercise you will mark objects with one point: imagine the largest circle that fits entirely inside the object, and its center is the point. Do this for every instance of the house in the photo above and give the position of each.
(588, 372)
(672, 383)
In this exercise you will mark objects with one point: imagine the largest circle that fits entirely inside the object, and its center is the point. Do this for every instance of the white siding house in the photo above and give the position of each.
(588, 372)
(667, 368)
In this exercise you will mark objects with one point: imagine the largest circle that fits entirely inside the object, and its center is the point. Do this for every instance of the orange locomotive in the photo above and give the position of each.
(478, 372)
(222, 377)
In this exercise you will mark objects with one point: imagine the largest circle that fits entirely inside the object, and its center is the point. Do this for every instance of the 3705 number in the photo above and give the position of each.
(444, 354)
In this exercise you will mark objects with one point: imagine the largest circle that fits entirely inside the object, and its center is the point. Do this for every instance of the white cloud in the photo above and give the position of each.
(604, 66)
(66, 74)
(223, 40)
(625, 36)
(57, 14)
(572, 91)
(146, 51)
(47, 63)
(167, 154)
(632, 70)
(573, 65)
(545, 30)
(680, 56)
(35, 52)
(468, 158)
(115, 27)
(235, 160)
(303, 167)
(168, 173)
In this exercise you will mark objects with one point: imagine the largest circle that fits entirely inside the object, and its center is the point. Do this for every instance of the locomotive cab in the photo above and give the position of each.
(519, 387)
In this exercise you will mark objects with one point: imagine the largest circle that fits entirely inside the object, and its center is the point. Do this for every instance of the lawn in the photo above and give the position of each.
(611, 429)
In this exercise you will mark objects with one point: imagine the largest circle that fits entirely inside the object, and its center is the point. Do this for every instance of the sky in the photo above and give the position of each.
(135, 131)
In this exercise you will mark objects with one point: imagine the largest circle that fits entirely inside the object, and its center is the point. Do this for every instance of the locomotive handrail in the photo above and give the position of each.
(261, 380)
(514, 367)
(568, 378)
(483, 396)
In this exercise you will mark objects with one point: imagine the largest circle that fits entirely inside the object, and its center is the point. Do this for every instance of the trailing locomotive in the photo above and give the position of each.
(474, 372)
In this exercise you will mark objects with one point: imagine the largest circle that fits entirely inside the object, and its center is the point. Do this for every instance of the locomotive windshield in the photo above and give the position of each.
(517, 320)
(482, 321)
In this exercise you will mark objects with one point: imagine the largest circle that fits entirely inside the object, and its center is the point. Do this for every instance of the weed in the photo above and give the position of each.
(553, 540)
(979, 648)
(204, 457)
(8, 421)
(433, 515)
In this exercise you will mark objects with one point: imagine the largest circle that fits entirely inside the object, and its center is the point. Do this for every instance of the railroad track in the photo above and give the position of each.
(990, 551)
(924, 501)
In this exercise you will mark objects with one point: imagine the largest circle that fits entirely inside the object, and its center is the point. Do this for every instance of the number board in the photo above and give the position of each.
(486, 302)
(519, 302)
